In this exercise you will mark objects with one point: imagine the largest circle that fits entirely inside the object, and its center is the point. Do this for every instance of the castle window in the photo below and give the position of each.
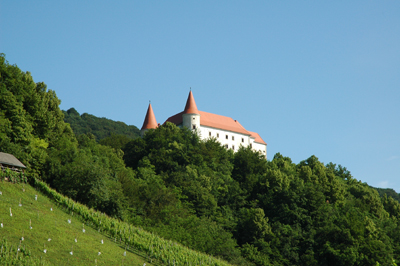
(209, 134)
(194, 126)
(251, 146)
(226, 146)
(242, 139)
(226, 136)
(193, 118)
(233, 147)
(217, 135)
(233, 137)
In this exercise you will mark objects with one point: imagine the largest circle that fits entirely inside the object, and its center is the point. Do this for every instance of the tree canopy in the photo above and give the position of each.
(101, 128)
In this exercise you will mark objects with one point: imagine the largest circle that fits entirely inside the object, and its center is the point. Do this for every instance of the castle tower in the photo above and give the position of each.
(149, 121)
(191, 116)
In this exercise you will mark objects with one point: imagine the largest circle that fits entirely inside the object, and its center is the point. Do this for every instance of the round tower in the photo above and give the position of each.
(191, 116)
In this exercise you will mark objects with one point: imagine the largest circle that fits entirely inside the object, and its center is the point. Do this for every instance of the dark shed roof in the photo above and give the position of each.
(9, 159)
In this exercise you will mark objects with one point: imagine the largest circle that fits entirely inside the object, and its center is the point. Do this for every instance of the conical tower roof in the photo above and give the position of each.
(150, 119)
(191, 107)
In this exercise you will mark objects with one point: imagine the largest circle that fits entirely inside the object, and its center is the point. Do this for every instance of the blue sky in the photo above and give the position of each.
(311, 77)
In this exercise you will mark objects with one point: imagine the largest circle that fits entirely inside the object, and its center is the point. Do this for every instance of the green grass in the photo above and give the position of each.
(53, 224)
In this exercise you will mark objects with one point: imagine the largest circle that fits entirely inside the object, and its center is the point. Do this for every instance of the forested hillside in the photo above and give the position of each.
(237, 206)
(389, 192)
(100, 127)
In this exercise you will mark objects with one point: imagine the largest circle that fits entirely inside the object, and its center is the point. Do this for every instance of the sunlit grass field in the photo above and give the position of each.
(47, 233)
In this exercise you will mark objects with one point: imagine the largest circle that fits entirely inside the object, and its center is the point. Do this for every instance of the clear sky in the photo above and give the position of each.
(311, 77)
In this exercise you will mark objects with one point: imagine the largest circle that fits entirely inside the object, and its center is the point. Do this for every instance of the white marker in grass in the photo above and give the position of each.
(35, 197)
(44, 248)
(99, 253)
(10, 212)
(20, 204)
(30, 224)
(102, 241)
(83, 229)
(72, 251)
(1, 193)
(69, 221)
(51, 209)
(1, 225)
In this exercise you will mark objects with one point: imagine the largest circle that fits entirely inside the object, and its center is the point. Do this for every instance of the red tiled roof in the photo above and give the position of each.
(191, 107)
(216, 121)
(257, 138)
(176, 119)
(150, 119)
(213, 120)
(221, 122)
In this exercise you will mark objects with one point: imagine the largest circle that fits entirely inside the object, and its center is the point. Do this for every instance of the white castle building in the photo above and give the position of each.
(230, 133)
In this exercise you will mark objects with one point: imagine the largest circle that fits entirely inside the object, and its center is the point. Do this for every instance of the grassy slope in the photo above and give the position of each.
(54, 224)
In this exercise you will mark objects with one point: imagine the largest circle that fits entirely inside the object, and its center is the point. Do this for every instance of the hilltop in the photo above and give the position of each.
(100, 127)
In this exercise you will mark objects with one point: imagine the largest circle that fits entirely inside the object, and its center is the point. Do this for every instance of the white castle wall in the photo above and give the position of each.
(228, 139)
(231, 140)
(260, 147)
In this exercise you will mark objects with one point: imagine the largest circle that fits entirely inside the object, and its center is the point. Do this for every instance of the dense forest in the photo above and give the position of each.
(237, 206)
(101, 128)
(388, 192)
(118, 134)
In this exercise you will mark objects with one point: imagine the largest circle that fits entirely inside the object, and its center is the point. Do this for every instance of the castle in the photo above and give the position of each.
(230, 133)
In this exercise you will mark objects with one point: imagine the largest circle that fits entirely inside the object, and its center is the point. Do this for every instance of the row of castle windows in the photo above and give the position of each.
(226, 136)
(233, 147)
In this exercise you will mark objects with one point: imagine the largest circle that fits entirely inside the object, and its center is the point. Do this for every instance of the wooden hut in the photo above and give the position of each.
(9, 161)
